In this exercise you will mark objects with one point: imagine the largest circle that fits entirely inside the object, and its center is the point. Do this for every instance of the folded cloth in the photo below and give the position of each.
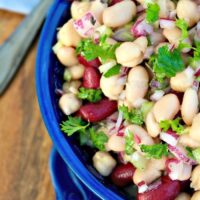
(20, 6)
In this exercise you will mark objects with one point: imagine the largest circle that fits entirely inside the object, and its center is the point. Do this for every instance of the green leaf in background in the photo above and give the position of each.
(92, 95)
(152, 12)
(113, 71)
(155, 151)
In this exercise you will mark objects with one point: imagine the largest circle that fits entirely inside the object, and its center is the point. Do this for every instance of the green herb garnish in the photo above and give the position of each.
(92, 95)
(113, 71)
(129, 143)
(155, 151)
(152, 12)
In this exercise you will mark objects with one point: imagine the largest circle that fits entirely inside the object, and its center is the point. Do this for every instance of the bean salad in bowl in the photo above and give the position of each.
(131, 92)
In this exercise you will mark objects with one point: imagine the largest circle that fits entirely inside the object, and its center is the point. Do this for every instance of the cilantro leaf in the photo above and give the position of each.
(73, 125)
(98, 139)
(155, 151)
(182, 24)
(92, 95)
(196, 154)
(152, 12)
(134, 116)
(196, 55)
(167, 63)
(103, 50)
(129, 143)
(113, 71)
(173, 124)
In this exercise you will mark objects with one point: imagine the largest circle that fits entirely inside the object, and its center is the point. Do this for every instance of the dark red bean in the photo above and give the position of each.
(113, 2)
(91, 78)
(122, 175)
(168, 190)
(93, 63)
(95, 112)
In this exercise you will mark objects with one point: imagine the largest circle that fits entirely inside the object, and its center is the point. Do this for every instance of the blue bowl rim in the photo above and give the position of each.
(46, 108)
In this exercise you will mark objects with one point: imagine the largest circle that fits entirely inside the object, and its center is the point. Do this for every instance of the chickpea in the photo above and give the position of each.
(195, 128)
(188, 10)
(97, 8)
(116, 143)
(71, 87)
(79, 9)
(165, 7)
(172, 35)
(151, 172)
(74, 73)
(67, 56)
(195, 178)
(183, 80)
(104, 163)
(137, 85)
(134, 52)
(68, 36)
(186, 140)
(112, 86)
(189, 107)
(69, 103)
(183, 196)
(166, 108)
(152, 125)
(141, 134)
(119, 14)
(196, 196)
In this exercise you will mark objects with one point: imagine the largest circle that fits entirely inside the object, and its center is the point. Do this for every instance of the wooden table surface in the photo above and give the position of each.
(24, 142)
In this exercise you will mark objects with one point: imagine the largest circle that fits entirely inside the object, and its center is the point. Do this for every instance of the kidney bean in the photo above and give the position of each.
(93, 63)
(91, 78)
(113, 2)
(168, 190)
(95, 112)
(122, 175)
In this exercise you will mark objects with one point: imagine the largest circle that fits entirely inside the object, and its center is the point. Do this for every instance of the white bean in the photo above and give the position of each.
(186, 140)
(75, 72)
(104, 163)
(188, 10)
(68, 36)
(165, 7)
(166, 108)
(189, 107)
(152, 125)
(183, 196)
(195, 178)
(137, 85)
(172, 35)
(134, 52)
(67, 56)
(183, 80)
(69, 103)
(71, 87)
(97, 8)
(79, 9)
(151, 172)
(196, 196)
(119, 14)
(116, 143)
(195, 128)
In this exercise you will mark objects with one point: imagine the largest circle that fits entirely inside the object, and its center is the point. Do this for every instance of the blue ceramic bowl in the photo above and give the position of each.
(49, 75)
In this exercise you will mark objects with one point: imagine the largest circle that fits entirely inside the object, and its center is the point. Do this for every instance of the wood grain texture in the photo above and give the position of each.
(24, 142)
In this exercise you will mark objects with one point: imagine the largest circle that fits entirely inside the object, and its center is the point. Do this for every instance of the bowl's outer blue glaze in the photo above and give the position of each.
(48, 78)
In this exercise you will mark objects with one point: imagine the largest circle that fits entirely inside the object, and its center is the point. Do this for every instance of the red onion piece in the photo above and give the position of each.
(180, 153)
(178, 170)
(169, 137)
(167, 23)
(142, 187)
(119, 120)
(137, 139)
(121, 157)
(197, 72)
(158, 94)
(141, 28)
(195, 85)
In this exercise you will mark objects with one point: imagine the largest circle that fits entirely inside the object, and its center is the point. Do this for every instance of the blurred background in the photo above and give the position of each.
(24, 144)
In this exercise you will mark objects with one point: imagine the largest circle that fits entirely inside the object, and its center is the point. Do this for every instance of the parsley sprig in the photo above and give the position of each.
(155, 151)
(152, 12)
(173, 124)
(77, 125)
(103, 50)
(92, 95)
(134, 116)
